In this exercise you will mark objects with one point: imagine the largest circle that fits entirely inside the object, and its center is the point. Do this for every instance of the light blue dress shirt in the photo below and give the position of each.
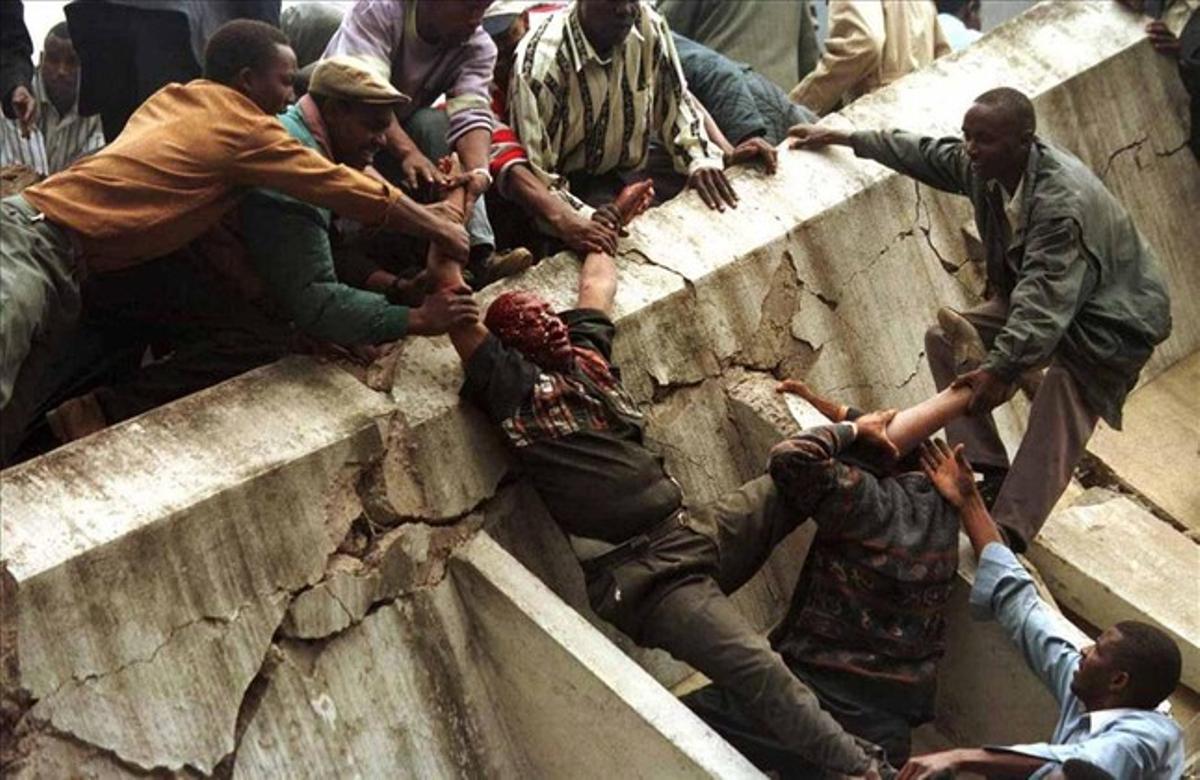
(1127, 743)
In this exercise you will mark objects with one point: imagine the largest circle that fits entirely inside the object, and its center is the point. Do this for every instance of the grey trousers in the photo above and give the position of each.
(1060, 424)
(39, 306)
(670, 591)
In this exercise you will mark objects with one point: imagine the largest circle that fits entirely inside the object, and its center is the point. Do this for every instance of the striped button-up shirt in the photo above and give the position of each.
(577, 111)
(55, 141)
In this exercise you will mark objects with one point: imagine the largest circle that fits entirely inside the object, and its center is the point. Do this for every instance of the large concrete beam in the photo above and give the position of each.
(152, 563)
(200, 522)
(1107, 559)
(1157, 454)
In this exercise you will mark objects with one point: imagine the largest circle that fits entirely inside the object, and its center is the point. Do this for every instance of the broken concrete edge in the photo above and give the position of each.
(1085, 555)
(80, 496)
(600, 658)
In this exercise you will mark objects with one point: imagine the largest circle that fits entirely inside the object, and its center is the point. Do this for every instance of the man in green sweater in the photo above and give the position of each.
(278, 253)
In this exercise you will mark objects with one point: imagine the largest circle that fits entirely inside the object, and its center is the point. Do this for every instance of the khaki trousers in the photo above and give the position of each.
(670, 589)
(1060, 424)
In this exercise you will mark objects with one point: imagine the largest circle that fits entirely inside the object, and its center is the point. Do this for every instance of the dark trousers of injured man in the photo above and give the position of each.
(1060, 424)
(851, 703)
(668, 589)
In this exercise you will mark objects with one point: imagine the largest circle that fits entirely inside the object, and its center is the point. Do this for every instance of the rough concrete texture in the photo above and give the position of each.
(1085, 554)
(251, 581)
(1158, 452)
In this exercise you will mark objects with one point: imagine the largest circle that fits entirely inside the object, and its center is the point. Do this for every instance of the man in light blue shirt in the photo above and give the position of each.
(1107, 693)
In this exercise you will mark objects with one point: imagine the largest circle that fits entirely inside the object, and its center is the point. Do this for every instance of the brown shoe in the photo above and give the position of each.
(76, 417)
(504, 264)
(969, 349)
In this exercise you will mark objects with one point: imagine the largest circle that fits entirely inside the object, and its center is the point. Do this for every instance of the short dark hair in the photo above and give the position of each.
(1151, 659)
(1014, 104)
(952, 7)
(242, 43)
(60, 31)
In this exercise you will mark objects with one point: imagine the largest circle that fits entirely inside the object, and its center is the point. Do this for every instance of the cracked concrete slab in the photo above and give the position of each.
(1084, 554)
(830, 271)
(1158, 451)
(177, 707)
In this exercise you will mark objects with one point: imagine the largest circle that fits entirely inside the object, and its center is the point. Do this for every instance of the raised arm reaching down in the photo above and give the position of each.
(597, 280)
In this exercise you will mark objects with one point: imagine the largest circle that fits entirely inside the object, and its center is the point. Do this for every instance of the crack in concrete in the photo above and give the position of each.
(76, 681)
(1134, 146)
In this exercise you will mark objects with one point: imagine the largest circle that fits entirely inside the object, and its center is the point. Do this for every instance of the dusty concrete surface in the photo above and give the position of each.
(1108, 559)
(1158, 452)
(253, 581)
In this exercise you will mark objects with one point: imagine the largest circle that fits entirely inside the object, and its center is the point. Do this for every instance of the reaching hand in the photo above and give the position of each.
(755, 149)
(443, 310)
(950, 473)
(715, 190)
(987, 390)
(932, 766)
(25, 107)
(588, 235)
(1162, 39)
(817, 137)
(632, 200)
(419, 171)
(872, 432)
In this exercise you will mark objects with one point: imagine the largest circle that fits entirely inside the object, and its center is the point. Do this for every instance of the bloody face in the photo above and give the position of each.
(526, 323)
(357, 131)
(997, 147)
(607, 23)
(270, 87)
(1097, 674)
(60, 71)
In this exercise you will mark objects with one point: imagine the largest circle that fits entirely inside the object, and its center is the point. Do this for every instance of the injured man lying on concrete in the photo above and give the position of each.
(664, 572)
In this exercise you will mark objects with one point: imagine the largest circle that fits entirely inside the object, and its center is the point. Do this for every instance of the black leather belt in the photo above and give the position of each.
(634, 545)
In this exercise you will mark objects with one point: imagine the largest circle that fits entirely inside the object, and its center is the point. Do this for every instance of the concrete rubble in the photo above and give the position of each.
(294, 575)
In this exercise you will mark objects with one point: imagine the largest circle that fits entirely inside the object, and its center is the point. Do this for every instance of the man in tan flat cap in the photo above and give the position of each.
(287, 247)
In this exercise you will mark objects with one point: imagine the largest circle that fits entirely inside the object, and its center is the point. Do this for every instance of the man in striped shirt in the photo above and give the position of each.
(59, 135)
(591, 86)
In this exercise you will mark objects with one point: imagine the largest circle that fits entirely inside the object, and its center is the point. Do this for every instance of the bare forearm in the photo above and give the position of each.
(977, 523)
(530, 193)
(999, 765)
(597, 282)
(913, 425)
(472, 147)
(398, 143)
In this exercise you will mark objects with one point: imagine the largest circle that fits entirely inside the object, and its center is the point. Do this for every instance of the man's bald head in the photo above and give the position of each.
(1013, 106)
(998, 130)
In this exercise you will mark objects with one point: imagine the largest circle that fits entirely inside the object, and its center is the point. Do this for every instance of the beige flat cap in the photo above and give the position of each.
(361, 79)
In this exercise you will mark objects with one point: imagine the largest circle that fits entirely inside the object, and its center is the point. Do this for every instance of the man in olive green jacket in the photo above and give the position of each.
(1073, 287)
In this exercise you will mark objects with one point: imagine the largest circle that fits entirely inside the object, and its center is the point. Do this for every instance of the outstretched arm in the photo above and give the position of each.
(908, 428)
(988, 763)
(598, 277)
